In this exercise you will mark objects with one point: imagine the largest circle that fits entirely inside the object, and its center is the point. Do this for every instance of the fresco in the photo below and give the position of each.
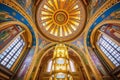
(97, 62)
(4, 17)
(95, 5)
(105, 15)
(80, 43)
(42, 43)
(27, 61)
(6, 35)
(17, 16)
(25, 65)
(112, 30)
(27, 5)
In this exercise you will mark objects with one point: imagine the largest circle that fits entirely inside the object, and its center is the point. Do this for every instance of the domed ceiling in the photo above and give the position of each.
(61, 20)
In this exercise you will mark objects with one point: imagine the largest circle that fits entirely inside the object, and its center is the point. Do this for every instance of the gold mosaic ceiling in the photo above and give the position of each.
(61, 20)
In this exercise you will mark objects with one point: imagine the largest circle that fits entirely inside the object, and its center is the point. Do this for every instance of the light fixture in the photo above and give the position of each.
(60, 64)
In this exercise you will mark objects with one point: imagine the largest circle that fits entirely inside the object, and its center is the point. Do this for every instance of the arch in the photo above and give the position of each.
(98, 26)
(13, 9)
(27, 31)
(93, 38)
(24, 38)
(100, 15)
(76, 50)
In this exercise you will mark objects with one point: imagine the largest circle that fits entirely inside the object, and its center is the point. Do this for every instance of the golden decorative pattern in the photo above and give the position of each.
(61, 20)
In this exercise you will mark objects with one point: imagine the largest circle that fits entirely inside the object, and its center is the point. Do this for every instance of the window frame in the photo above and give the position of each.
(11, 52)
(112, 65)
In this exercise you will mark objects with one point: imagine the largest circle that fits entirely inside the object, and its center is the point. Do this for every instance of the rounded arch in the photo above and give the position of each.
(92, 45)
(76, 50)
(98, 17)
(27, 31)
(18, 41)
(98, 36)
(41, 55)
(92, 37)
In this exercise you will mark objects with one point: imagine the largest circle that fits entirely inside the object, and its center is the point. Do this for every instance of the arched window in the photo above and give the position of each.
(12, 52)
(110, 49)
(12, 43)
(49, 66)
(72, 65)
(109, 42)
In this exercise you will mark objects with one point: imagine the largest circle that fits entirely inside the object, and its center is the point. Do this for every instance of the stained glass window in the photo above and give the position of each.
(110, 49)
(10, 54)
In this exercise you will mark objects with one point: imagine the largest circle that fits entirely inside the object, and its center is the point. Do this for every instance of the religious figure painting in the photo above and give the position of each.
(112, 30)
(4, 16)
(42, 42)
(97, 62)
(25, 65)
(6, 35)
(80, 43)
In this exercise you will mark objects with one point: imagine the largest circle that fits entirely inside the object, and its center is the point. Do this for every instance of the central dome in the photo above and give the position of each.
(61, 20)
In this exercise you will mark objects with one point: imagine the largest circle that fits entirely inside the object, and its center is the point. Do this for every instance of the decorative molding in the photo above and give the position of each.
(92, 37)
(20, 14)
(28, 35)
(62, 27)
(107, 8)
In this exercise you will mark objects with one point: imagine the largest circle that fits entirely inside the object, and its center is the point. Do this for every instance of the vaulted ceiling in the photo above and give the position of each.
(61, 20)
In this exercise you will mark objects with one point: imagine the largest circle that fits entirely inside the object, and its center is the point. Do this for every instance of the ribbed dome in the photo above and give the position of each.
(61, 20)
